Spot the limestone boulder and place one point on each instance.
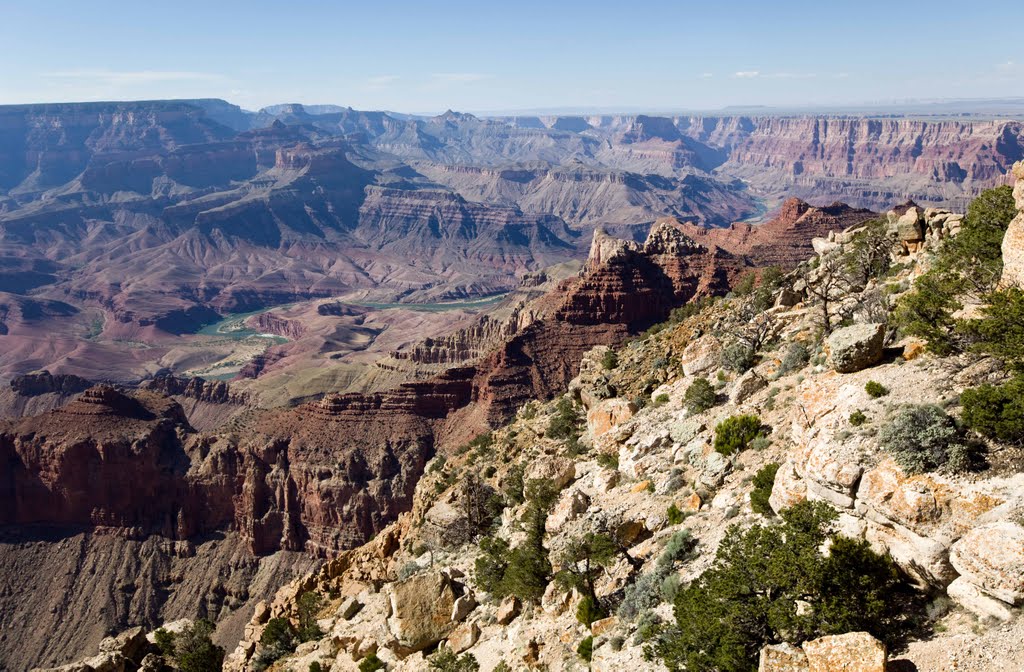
(464, 637)
(782, 658)
(569, 506)
(992, 558)
(973, 599)
(508, 610)
(556, 468)
(855, 347)
(747, 385)
(420, 610)
(852, 652)
(701, 356)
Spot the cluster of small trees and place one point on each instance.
(191, 649)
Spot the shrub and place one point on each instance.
(976, 254)
(445, 660)
(608, 460)
(164, 641)
(923, 438)
(610, 359)
(371, 663)
(309, 606)
(670, 587)
(736, 432)
(586, 648)
(675, 515)
(699, 396)
(764, 480)
(525, 570)
(750, 595)
(1000, 332)
(315, 667)
(565, 423)
(589, 610)
(738, 356)
(857, 418)
(927, 311)
(279, 635)
(502, 666)
(646, 592)
(660, 400)
(796, 357)
(875, 390)
(194, 650)
(581, 562)
(514, 487)
(996, 411)
(760, 443)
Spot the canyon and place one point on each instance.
(233, 341)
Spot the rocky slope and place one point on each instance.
(645, 451)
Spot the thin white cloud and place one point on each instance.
(132, 77)
(747, 74)
(706, 75)
(382, 80)
(458, 77)
(790, 75)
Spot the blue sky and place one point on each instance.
(425, 57)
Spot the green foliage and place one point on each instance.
(445, 660)
(608, 460)
(738, 356)
(515, 487)
(858, 418)
(589, 610)
(565, 423)
(529, 411)
(975, 254)
(674, 514)
(309, 605)
(315, 667)
(764, 480)
(923, 438)
(164, 640)
(750, 595)
(736, 432)
(1000, 331)
(689, 310)
(586, 648)
(610, 359)
(660, 400)
(279, 634)
(927, 311)
(875, 390)
(581, 563)
(371, 663)
(996, 411)
(699, 396)
(969, 263)
(745, 284)
(194, 650)
(525, 570)
(502, 666)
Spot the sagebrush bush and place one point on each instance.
(586, 648)
(446, 660)
(371, 663)
(858, 418)
(738, 356)
(923, 438)
(996, 411)
(796, 357)
(736, 432)
(764, 481)
(699, 396)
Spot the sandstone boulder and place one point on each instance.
(745, 386)
(420, 610)
(852, 652)
(508, 610)
(992, 558)
(855, 347)
(464, 637)
(608, 414)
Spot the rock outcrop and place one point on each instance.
(1013, 240)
